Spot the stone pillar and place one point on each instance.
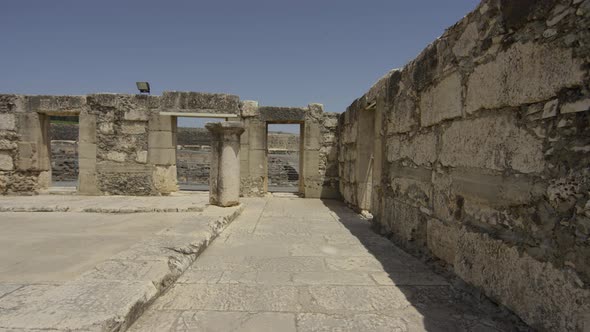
(224, 176)
(162, 152)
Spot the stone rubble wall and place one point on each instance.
(186, 136)
(64, 131)
(328, 155)
(125, 146)
(192, 156)
(24, 150)
(481, 156)
(64, 161)
(193, 166)
(283, 169)
(122, 144)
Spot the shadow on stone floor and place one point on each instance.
(450, 305)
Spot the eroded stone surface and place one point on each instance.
(193, 202)
(525, 73)
(359, 282)
(496, 143)
(110, 296)
(442, 101)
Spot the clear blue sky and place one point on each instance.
(287, 53)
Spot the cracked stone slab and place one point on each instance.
(196, 202)
(93, 305)
(192, 276)
(277, 278)
(113, 294)
(323, 250)
(216, 321)
(361, 322)
(256, 278)
(229, 297)
(351, 299)
(333, 278)
(22, 297)
(6, 288)
(264, 264)
(128, 270)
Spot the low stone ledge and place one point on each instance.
(117, 291)
(104, 204)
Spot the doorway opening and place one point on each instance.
(284, 157)
(193, 153)
(364, 161)
(63, 141)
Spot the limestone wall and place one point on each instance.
(128, 143)
(328, 155)
(481, 156)
(126, 146)
(121, 145)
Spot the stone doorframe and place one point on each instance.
(253, 150)
(300, 171)
(33, 155)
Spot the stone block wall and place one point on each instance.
(122, 143)
(128, 143)
(126, 146)
(283, 170)
(24, 140)
(15, 175)
(481, 156)
(328, 155)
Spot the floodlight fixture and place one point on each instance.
(143, 87)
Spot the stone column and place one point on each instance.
(224, 176)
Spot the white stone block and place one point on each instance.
(6, 162)
(116, 156)
(7, 121)
(492, 143)
(523, 74)
(578, 106)
(441, 102)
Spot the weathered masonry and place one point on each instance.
(478, 153)
(127, 143)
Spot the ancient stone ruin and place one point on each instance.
(475, 154)
(193, 157)
(128, 144)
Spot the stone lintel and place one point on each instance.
(205, 113)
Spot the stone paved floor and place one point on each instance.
(95, 272)
(290, 264)
(57, 247)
